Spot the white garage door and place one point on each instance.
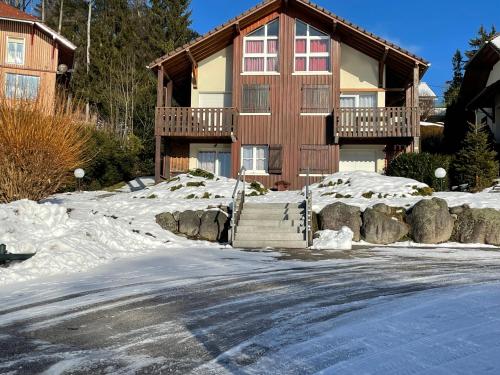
(358, 160)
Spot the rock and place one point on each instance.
(478, 225)
(338, 215)
(431, 222)
(189, 223)
(167, 221)
(383, 224)
(214, 226)
(459, 209)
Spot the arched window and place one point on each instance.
(312, 49)
(260, 49)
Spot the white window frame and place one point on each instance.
(265, 54)
(308, 54)
(17, 90)
(356, 97)
(254, 171)
(18, 41)
(218, 163)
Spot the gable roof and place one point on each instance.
(10, 13)
(478, 69)
(357, 35)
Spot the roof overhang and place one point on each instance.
(222, 36)
(486, 97)
(47, 30)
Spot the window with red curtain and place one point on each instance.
(312, 49)
(261, 49)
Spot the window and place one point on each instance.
(255, 99)
(316, 99)
(260, 49)
(15, 51)
(19, 86)
(358, 100)
(315, 158)
(255, 158)
(216, 162)
(312, 49)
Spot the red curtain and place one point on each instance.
(300, 64)
(272, 46)
(300, 46)
(318, 64)
(319, 45)
(255, 46)
(254, 64)
(272, 64)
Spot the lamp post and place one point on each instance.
(440, 174)
(79, 174)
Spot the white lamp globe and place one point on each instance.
(440, 173)
(79, 173)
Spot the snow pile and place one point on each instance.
(366, 185)
(334, 240)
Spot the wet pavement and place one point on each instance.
(223, 323)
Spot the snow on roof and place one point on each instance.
(425, 91)
(496, 41)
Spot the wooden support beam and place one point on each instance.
(334, 27)
(381, 68)
(158, 140)
(487, 114)
(169, 94)
(160, 85)
(237, 28)
(194, 67)
(336, 62)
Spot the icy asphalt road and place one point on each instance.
(211, 311)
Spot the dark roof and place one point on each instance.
(478, 69)
(8, 11)
(354, 28)
(486, 97)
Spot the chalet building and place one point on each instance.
(33, 57)
(285, 88)
(480, 90)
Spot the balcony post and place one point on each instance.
(158, 140)
(416, 111)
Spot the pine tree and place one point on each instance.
(475, 164)
(451, 93)
(482, 37)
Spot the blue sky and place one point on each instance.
(433, 29)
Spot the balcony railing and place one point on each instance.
(196, 122)
(376, 122)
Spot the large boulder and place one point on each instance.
(168, 222)
(338, 215)
(189, 223)
(214, 225)
(431, 221)
(383, 224)
(477, 225)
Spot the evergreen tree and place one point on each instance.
(482, 37)
(475, 164)
(451, 93)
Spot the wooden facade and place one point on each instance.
(297, 141)
(44, 51)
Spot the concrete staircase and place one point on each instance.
(278, 225)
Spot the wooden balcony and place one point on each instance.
(384, 122)
(196, 122)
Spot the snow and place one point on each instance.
(333, 240)
(496, 41)
(74, 232)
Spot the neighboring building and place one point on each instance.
(32, 56)
(430, 115)
(480, 89)
(284, 88)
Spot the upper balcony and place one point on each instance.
(196, 122)
(382, 122)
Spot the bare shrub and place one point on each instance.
(40, 145)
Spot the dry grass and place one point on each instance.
(40, 146)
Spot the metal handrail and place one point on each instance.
(308, 203)
(238, 201)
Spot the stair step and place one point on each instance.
(277, 217)
(277, 244)
(269, 223)
(269, 236)
(271, 205)
(271, 211)
(267, 229)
